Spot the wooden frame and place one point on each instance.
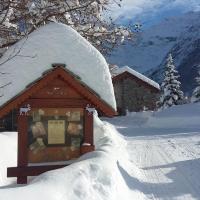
(29, 171)
(23, 170)
(119, 82)
(84, 98)
(76, 84)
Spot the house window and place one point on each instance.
(54, 134)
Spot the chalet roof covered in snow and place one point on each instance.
(136, 74)
(26, 61)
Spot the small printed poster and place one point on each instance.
(56, 131)
(74, 128)
(75, 143)
(37, 146)
(75, 116)
(36, 116)
(38, 130)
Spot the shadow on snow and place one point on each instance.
(183, 181)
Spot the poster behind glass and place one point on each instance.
(55, 134)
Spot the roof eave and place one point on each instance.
(40, 83)
(121, 76)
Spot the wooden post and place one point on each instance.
(22, 159)
(88, 143)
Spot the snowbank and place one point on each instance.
(166, 147)
(111, 172)
(182, 116)
(177, 119)
(98, 175)
(8, 155)
(24, 62)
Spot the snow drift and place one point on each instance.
(24, 62)
(162, 164)
(176, 119)
(97, 175)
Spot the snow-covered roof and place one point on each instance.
(24, 62)
(136, 74)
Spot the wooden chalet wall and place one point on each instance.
(134, 94)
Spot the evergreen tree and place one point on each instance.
(171, 93)
(196, 93)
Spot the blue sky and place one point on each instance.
(149, 12)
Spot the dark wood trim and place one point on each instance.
(88, 94)
(22, 141)
(87, 149)
(76, 84)
(21, 179)
(26, 94)
(54, 103)
(31, 170)
(22, 153)
(88, 128)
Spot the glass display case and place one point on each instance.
(54, 134)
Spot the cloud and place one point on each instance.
(135, 8)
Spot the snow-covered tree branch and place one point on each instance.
(16, 52)
(19, 18)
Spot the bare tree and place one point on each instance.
(16, 52)
(19, 18)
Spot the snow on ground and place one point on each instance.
(8, 155)
(156, 157)
(166, 147)
(95, 176)
(170, 165)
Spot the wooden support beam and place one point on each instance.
(22, 172)
(22, 146)
(88, 143)
(88, 128)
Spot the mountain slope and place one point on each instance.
(178, 35)
(186, 54)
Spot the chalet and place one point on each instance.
(50, 84)
(134, 91)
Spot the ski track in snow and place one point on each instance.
(165, 146)
(170, 165)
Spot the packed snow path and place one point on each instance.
(170, 165)
(168, 158)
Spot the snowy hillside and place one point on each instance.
(156, 156)
(179, 35)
